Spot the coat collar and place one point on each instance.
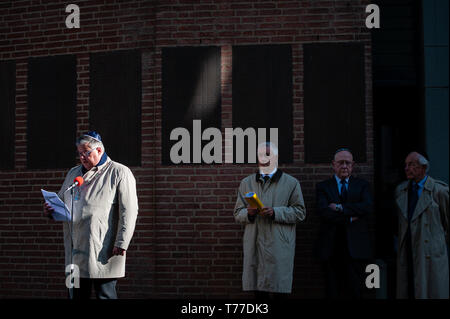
(96, 171)
(102, 161)
(424, 201)
(274, 178)
(402, 200)
(334, 187)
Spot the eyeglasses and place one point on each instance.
(411, 164)
(341, 163)
(86, 154)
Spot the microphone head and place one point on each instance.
(79, 180)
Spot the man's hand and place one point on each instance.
(266, 211)
(252, 211)
(118, 251)
(48, 210)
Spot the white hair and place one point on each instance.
(424, 162)
(91, 142)
(272, 146)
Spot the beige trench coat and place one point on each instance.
(429, 233)
(105, 212)
(269, 245)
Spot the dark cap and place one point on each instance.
(94, 135)
(342, 149)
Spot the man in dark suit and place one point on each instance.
(344, 246)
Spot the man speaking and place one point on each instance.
(105, 209)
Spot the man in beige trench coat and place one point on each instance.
(269, 236)
(422, 259)
(105, 211)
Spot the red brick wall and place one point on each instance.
(186, 242)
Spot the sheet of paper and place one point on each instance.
(61, 212)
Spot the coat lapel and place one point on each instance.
(425, 199)
(402, 201)
(334, 190)
(351, 186)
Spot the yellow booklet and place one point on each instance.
(253, 200)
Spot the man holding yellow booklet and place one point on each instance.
(269, 204)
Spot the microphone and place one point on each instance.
(78, 181)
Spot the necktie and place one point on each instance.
(413, 197)
(343, 191)
(266, 178)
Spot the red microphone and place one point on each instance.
(78, 181)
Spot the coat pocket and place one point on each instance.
(285, 234)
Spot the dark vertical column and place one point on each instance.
(334, 90)
(52, 92)
(7, 107)
(115, 103)
(262, 92)
(190, 91)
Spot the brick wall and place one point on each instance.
(186, 242)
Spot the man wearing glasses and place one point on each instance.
(344, 247)
(105, 209)
(423, 219)
(270, 232)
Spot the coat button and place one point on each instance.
(426, 241)
(427, 257)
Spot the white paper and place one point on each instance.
(61, 211)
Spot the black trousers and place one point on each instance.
(104, 288)
(345, 278)
(344, 275)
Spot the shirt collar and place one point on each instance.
(422, 182)
(270, 174)
(338, 180)
(276, 176)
